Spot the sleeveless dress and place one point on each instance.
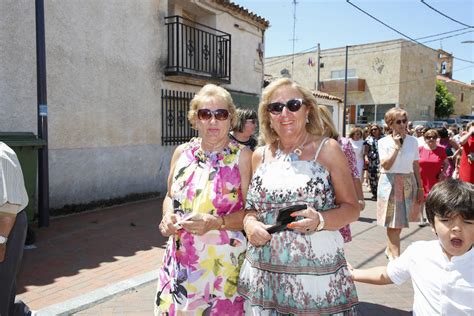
(199, 273)
(294, 273)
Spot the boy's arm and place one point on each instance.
(376, 275)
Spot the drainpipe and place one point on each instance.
(43, 172)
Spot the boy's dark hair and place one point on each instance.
(450, 197)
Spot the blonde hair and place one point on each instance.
(329, 127)
(315, 125)
(211, 91)
(391, 114)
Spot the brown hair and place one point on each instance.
(356, 130)
(242, 116)
(431, 132)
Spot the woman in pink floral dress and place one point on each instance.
(202, 214)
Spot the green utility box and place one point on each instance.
(26, 146)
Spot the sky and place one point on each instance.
(336, 23)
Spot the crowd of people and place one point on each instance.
(258, 228)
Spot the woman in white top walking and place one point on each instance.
(400, 190)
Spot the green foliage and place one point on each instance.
(444, 104)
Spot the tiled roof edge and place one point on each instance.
(244, 11)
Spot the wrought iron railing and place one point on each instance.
(175, 127)
(197, 50)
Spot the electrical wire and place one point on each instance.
(446, 16)
(395, 30)
(360, 48)
(413, 80)
(280, 59)
(365, 50)
(329, 55)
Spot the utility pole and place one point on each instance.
(294, 38)
(318, 84)
(345, 94)
(43, 171)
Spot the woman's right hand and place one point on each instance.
(257, 233)
(167, 225)
(398, 140)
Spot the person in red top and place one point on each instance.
(433, 162)
(466, 168)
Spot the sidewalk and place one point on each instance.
(85, 252)
(104, 263)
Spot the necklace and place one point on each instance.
(294, 153)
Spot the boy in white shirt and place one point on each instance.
(442, 270)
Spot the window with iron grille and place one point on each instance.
(175, 127)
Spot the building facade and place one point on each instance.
(120, 75)
(380, 76)
(462, 92)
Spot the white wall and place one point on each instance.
(105, 62)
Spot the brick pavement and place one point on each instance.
(366, 250)
(85, 252)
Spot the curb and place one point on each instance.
(97, 296)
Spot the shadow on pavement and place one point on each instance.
(367, 220)
(86, 240)
(369, 309)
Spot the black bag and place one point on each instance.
(284, 218)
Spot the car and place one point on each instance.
(439, 124)
(464, 119)
(423, 123)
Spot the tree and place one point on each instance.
(444, 103)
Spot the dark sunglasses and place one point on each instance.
(219, 114)
(277, 107)
(431, 137)
(374, 129)
(398, 122)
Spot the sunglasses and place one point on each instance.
(277, 107)
(430, 137)
(374, 129)
(398, 122)
(253, 121)
(219, 114)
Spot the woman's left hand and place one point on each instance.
(201, 224)
(307, 225)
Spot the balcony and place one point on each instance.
(197, 51)
(336, 86)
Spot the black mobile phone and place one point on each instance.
(284, 217)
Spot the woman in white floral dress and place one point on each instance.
(301, 270)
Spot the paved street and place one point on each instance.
(104, 263)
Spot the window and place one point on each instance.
(443, 67)
(462, 96)
(340, 74)
(175, 127)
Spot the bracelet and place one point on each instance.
(223, 223)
